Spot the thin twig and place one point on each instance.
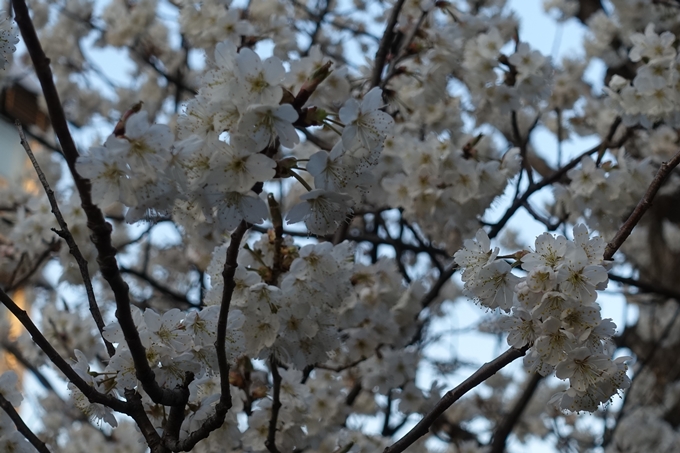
(13, 349)
(556, 176)
(388, 412)
(21, 426)
(504, 428)
(14, 284)
(270, 443)
(66, 235)
(439, 284)
(646, 287)
(486, 371)
(179, 297)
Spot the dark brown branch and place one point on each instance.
(353, 393)
(270, 443)
(385, 43)
(179, 297)
(42, 379)
(373, 239)
(277, 222)
(14, 284)
(439, 284)
(504, 428)
(319, 18)
(646, 287)
(224, 404)
(388, 412)
(486, 371)
(556, 176)
(177, 413)
(66, 235)
(138, 413)
(101, 230)
(642, 207)
(522, 143)
(39, 339)
(21, 426)
(16, 352)
(550, 226)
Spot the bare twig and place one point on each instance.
(504, 428)
(179, 297)
(14, 284)
(13, 349)
(270, 443)
(522, 143)
(21, 426)
(556, 176)
(646, 287)
(388, 412)
(486, 371)
(642, 207)
(66, 235)
(439, 284)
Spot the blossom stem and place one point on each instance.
(301, 180)
(339, 123)
(331, 127)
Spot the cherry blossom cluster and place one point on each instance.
(652, 95)
(213, 178)
(609, 191)
(445, 187)
(554, 311)
(324, 308)
(527, 74)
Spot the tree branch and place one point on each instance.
(21, 426)
(646, 287)
(385, 43)
(39, 339)
(159, 287)
(486, 371)
(504, 428)
(642, 207)
(224, 404)
(270, 443)
(556, 176)
(101, 230)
